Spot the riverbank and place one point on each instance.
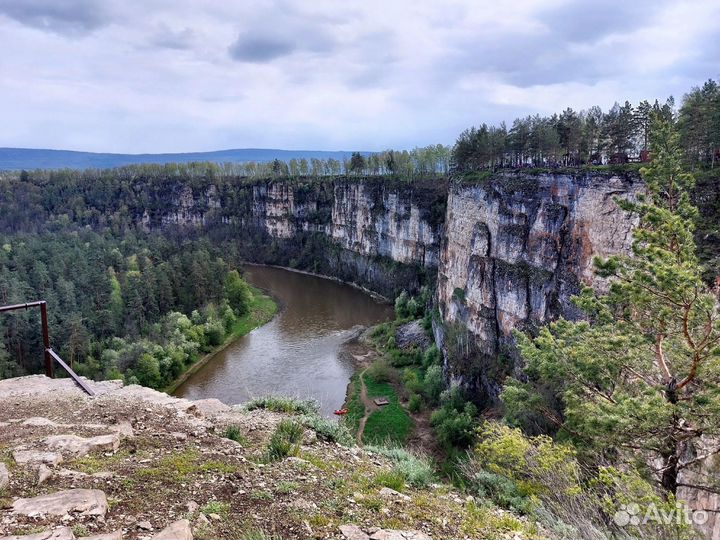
(262, 309)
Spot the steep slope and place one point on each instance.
(517, 248)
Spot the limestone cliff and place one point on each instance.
(517, 248)
(378, 233)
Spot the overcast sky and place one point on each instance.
(182, 75)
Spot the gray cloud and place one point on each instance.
(583, 22)
(66, 17)
(167, 38)
(258, 49)
(371, 74)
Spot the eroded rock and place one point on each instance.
(353, 532)
(88, 502)
(25, 457)
(80, 446)
(4, 476)
(62, 533)
(180, 530)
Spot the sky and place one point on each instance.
(180, 75)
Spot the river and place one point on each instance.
(297, 353)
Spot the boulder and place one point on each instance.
(412, 334)
(4, 476)
(180, 530)
(353, 532)
(80, 446)
(88, 502)
(62, 533)
(24, 457)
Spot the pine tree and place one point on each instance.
(642, 376)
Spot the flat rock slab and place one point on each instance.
(391, 534)
(45, 386)
(24, 457)
(115, 535)
(39, 421)
(381, 401)
(63, 533)
(180, 530)
(4, 476)
(80, 446)
(353, 532)
(88, 502)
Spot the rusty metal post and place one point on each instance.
(49, 371)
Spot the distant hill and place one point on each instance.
(33, 158)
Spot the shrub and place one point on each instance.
(416, 469)
(454, 422)
(431, 356)
(235, 434)
(415, 403)
(283, 405)
(433, 383)
(392, 479)
(285, 440)
(329, 430)
(411, 380)
(380, 371)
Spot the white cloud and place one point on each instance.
(151, 76)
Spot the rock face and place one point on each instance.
(517, 248)
(88, 502)
(378, 233)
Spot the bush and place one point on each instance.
(411, 380)
(416, 469)
(285, 440)
(235, 434)
(329, 430)
(283, 404)
(392, 479)
(415, 403)
(454, 422)
(433, 383)
(431, 356)
(381, 371)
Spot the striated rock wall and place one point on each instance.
(378, 233)
(517, 248)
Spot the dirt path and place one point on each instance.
(369, 404)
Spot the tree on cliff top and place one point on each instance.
(642, 376)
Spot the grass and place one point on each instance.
(391, 423)
(235, 434)
(390, 479)
(355, 407)
(262, 310)
(328, 429)
(283, 404)
(415, 469)
(177, 467)
(285, 441)
(216, 507)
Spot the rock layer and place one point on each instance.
(517, 248)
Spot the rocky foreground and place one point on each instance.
(135, 463)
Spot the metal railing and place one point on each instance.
(50, 355)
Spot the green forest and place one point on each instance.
(140, 306)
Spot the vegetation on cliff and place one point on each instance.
(626, 390)
(593, 137)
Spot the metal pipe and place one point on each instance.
(26, 305)
(49, 369)
(74, 376)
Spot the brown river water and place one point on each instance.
(297, 353)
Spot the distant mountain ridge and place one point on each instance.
(36, 158)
